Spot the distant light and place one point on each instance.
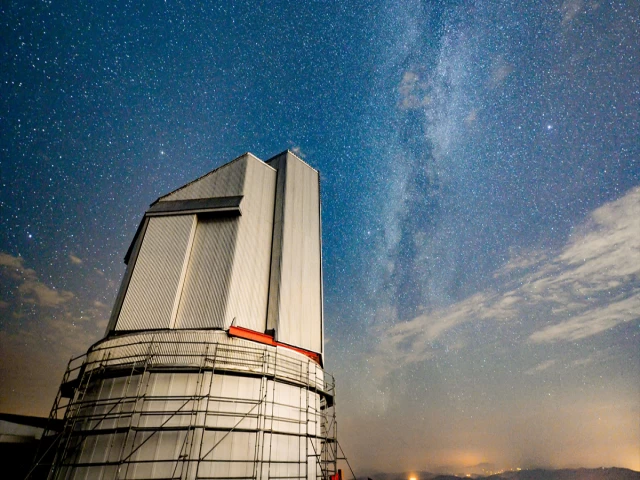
(161, 152)
(29, 235)
(413, 478)
(549, 127)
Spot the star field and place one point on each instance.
(480, 178)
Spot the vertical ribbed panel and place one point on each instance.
(149, 300)
(249, 287)
(273, 308)
(228, 273)
(183, 273)
(261, 269)
(206, 287)
(299, 295)
(226, 181)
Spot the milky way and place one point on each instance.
(480, 169)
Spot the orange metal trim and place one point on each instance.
(251, 335)
(265, 339)
(312, 355)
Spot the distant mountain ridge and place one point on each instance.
(570, 474)
(612, 473)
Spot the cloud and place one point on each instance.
(30, 289)
(581, 362)
(590, 323)
(540, 367)
(75, 260)
(39, 294)
(521, 261)
(10, 261)
(586, 288)
(54, 325)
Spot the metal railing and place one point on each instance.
(137, 414)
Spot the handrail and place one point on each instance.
(227, 355)
(112, 357)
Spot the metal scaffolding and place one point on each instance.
(147, 406)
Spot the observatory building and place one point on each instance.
(211, 365)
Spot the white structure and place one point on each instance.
(211, 367)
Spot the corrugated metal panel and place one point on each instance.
(273, 308)
(228, 275)
(206, 287)
(150, 297)
(226, 181)
(249, 283)
(130, 259)
(299, 300)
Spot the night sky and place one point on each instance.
(480, 175)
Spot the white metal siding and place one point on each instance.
(299, 301)
(249, 284)
(224, 424)
(228, 273)
(206, 287)
(273, 308)
(149, 300)
(251, 410)
(168, 402)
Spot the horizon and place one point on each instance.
(444, 471)
(411, 475)
(482, 470)
(480, 186)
